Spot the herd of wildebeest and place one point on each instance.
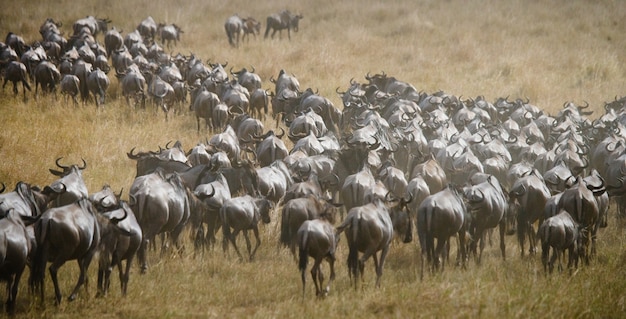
(392, 158)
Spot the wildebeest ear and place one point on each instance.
(55, 172)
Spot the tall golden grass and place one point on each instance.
(548, 51)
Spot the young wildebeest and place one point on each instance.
(244, 213)
(559, 232)
(316, 238)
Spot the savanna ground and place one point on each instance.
(548, 51)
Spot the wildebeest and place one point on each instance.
(66, 233)
(244, 213)
(47, 76)
(25, 200)
(70, 86)
(441, 216)
(117, 247)
(369, 229)
(98, 84)
(316, 238)
(250, 26)
(147, 29)
(15, 72)
(281, 21)
(134, 85)
(531, 193)
(113, 41)
(487, 207)
(169, 33)
(559, 232)
(298, 210)
(93, 24)
(70, 186)
(234, 29)
(161, 205)
(15, 251)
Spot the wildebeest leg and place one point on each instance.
(103, 265)
(12, 294)
(125, 276)
(83, 264)
(233, 239)
(380, 264)
(258, 241)
(141, 253)
(502, 229)
(331, 264)
(317, 276)
(439, 252)
(54, 268)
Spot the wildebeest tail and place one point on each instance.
(353, 254)
(40, 256)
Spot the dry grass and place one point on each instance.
(548, 51)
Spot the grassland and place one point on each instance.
(548, 51)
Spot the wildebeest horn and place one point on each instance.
(375, 145)
(59, 165)
(281, 134)
(132, 200)
(116, 220)
(84, 165)
(479, 199)
(120, 193)
(3, 187)
(131, 155)
(388, 197)
(405, 202)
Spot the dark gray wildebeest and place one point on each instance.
(281, 21)
(368, 229)
(24, 200)
(162, 205)
(162, 93)
(297, 211)
(70, 232)
(47, 76)
(98, 84)
(133, 85)
(202, 104)
(169, 33)
(115, 247)
(93, 24)
(15, 251)
(441, 216)
(15, 72)
(579, 201)
(147, 29)
(559, 232)
(487, 207)
(247, 79)
(316, 238)
(70, 86)
(531, 192)
(70, 186)
(113, 41)
(214, 194)
(243, 214)
(274, 180)
(234, 29)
